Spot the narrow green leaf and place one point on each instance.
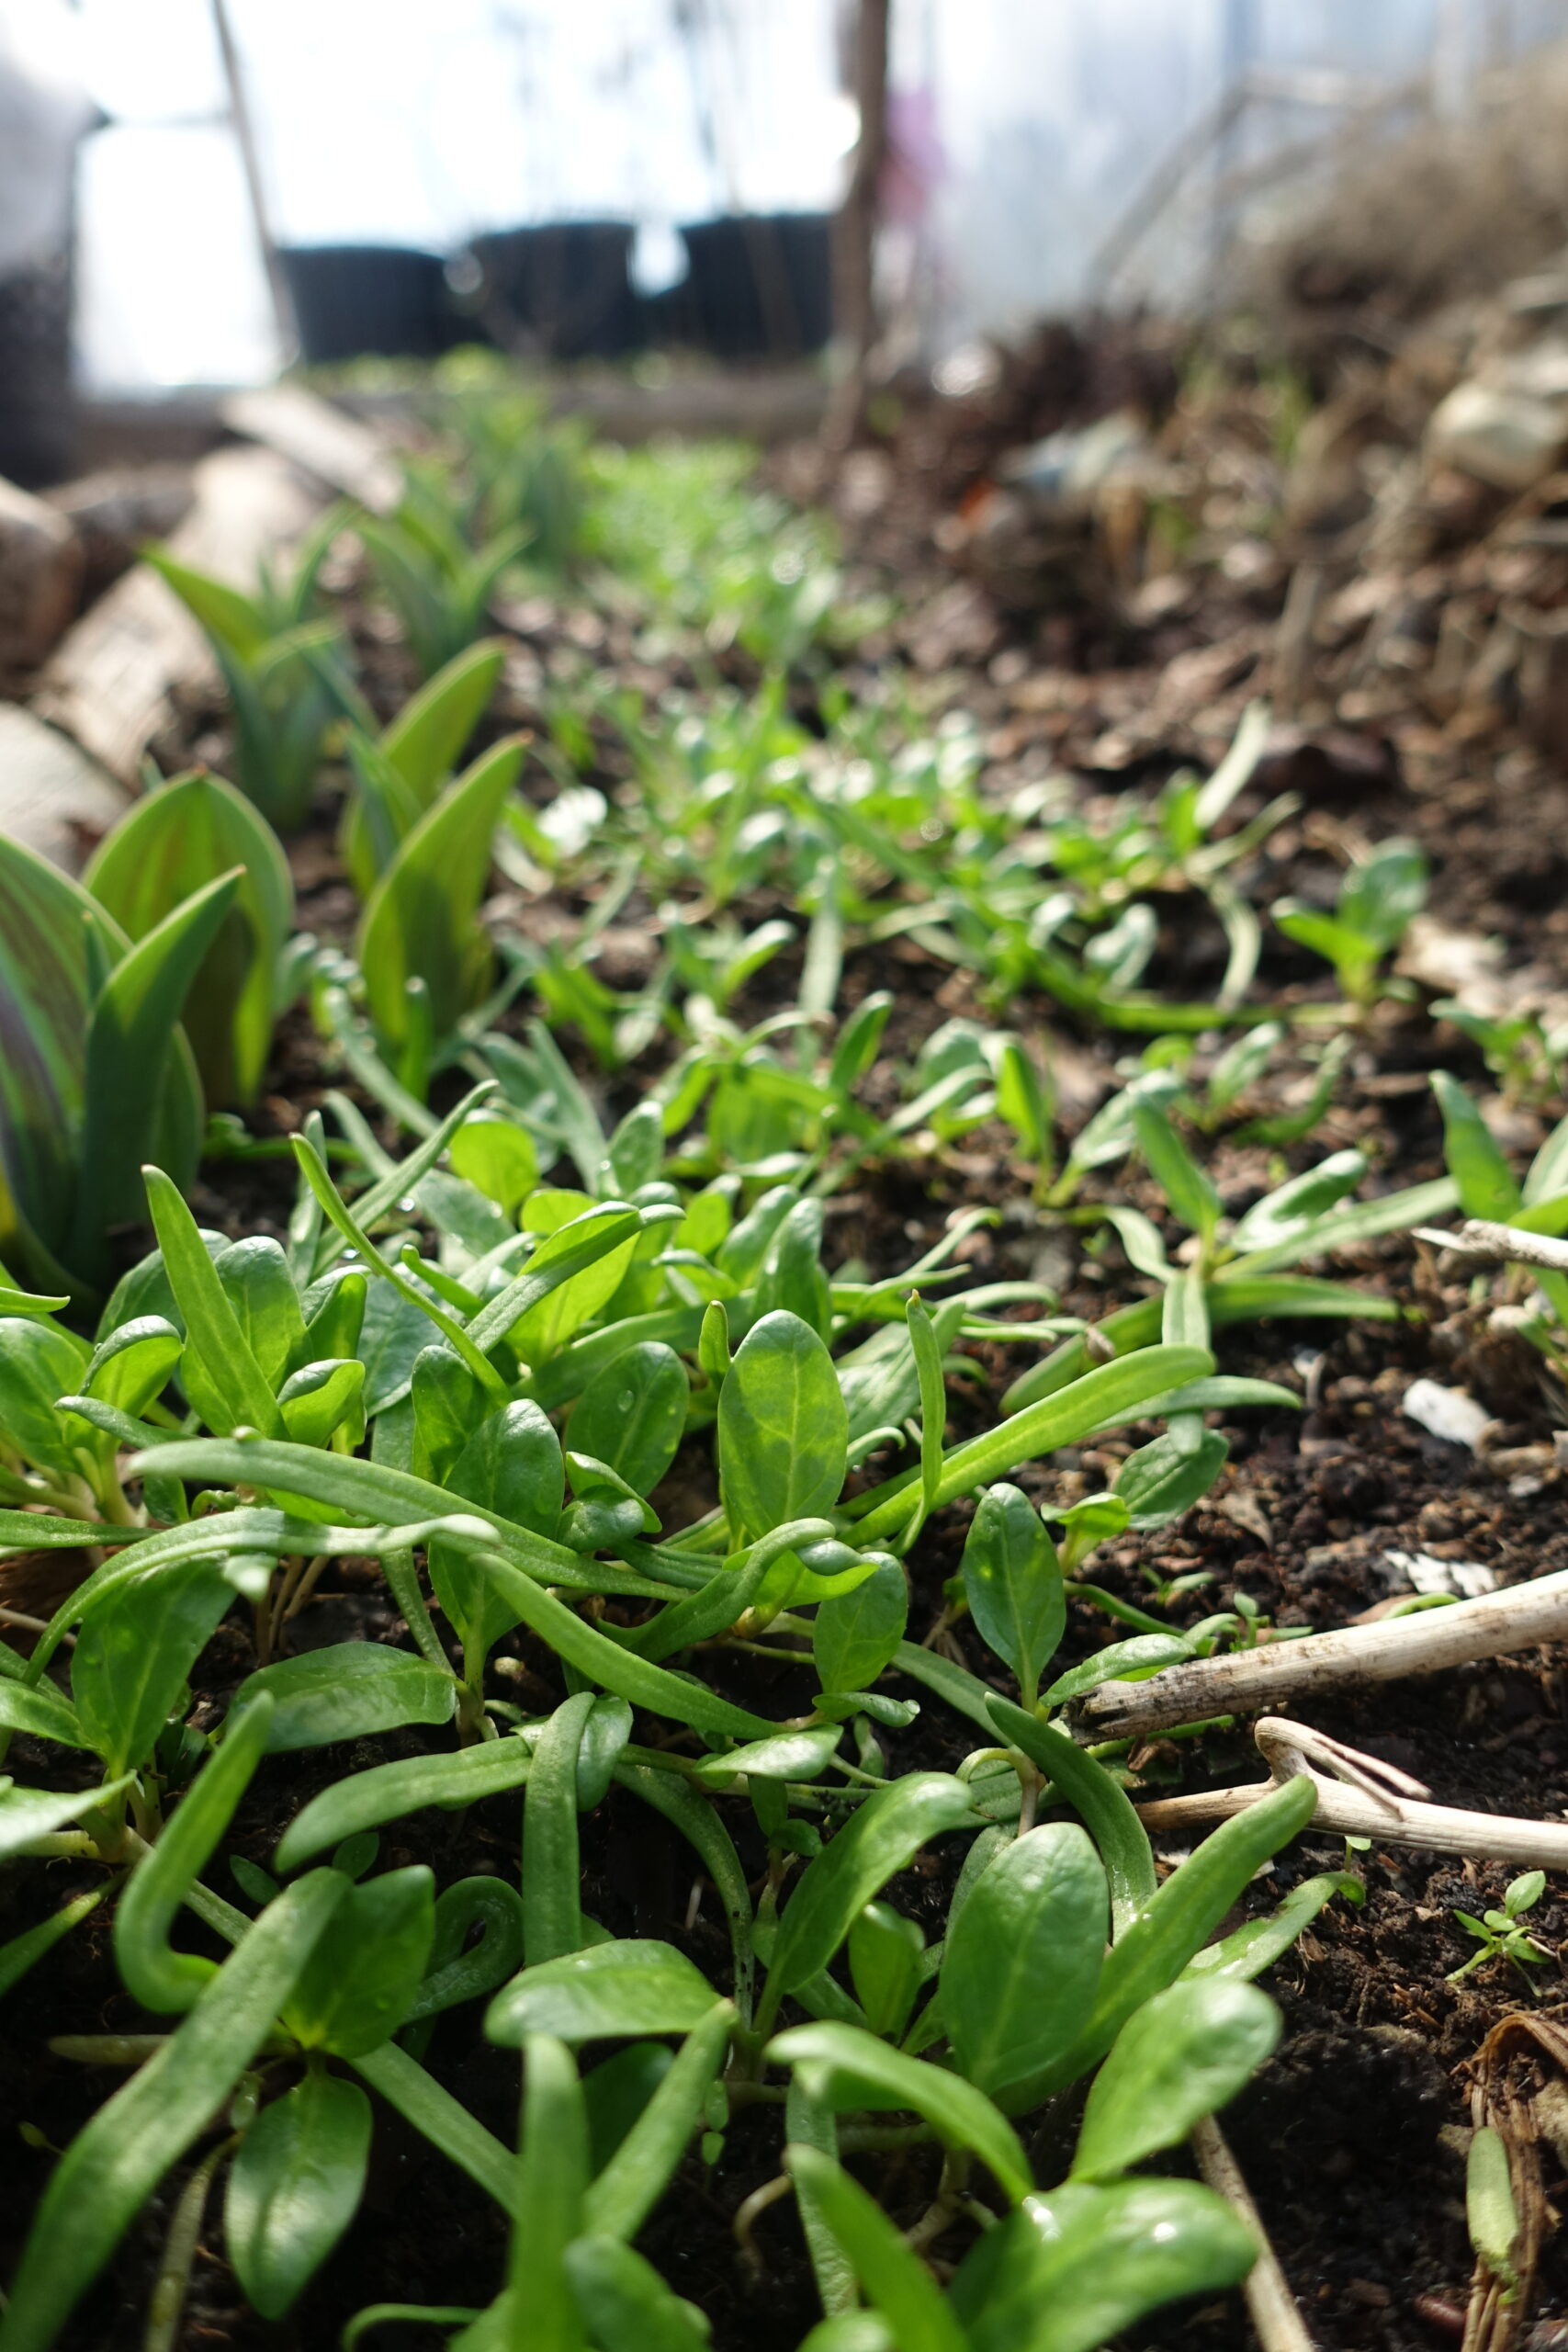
(883, 1838)
(865, 2073)
(389, 1792)
(348, 1690)
(119, 2158)
(890, 2272)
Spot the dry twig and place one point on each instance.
(1519, 1619)
(1269, 2302)
(1364, 1797)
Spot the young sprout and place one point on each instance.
(1499, 1934)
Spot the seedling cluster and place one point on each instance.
(503, 1338)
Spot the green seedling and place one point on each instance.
(1378, 900)
(177, 840)
(1500, 1934)
(99, 1074)
(284, 668)
(439, 585)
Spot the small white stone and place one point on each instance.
(1466, 1580)
(1448, 1413)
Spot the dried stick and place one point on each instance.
(1269, 2302)
(1478, 1238)
(1519, 1619)
(1366, 1798)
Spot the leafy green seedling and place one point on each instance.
(1500, 1934)
(284, 668)
(1379, 898)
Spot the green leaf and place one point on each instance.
(576, 1267)
(861, 2072)
(886, 1956)
(788, 1756)
(637, 2175)
(1013, 1582)
(18, 1953)
(1167, 1476)
(1111, 1392)
(1076, 2268)
(1022, 1960)
(294, 2188)
(386, 1792)
(606, 1662)
(632, 1413)
(1184, 2053)
(552, 1913)
(45, 994)
(154, 1973)
(883, 1838)
(132, 1031)
(615, 1988)
(496, 1155)
(349, 1691)
(1486, 1184)
(420, 921)
(1188, 1188)
(1130, 1660)
(1257, 1944)
(119, 2158)
(617, 2091)
(38, 1363)
(45, 1713)
(782, 1426)
(1178, 1920)
(856, 1633)
(168, 845)
(510, 1465)
(1104, 1805)
(254, 1277)
(892, 2275)
(361, 1978)
(1491, 2213)
(29, 1813)
(1383, 893)
(552, 2178)
(132, 1366)
(135, 1653)
(233, 619)
(625, 2302)
(216, 1347)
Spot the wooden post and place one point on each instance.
(854, 228)
(244, 139)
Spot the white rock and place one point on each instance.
(1450, 1413)
(1465, 1579)
(1510, 439)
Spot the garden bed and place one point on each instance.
(1353, 2138)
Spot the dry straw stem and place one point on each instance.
(1363, 1797)
(1269, 2302)
(1478, 1238)
(1276, 1672)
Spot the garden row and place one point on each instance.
(756, 1576)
